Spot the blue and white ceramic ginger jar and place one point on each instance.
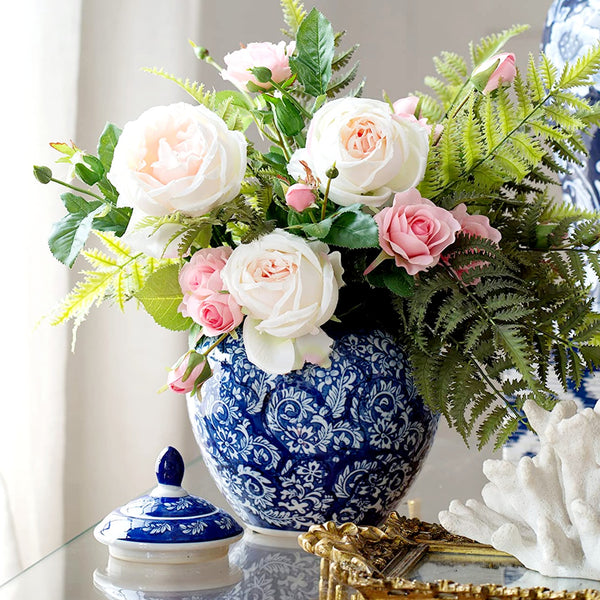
(341, 443)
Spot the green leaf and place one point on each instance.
(106, 144)
(86, 175)
(314, 53)
(318, 230)
(353, 229)
(398, 281)
(161, 297)
(69, 235)
(108, 189)
(287, 117)
(116, 220)
(74, 203)
(94, 164)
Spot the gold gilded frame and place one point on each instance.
(370, 563)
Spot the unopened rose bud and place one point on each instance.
(177, 380)
(332, 173)
(42, 174)
(300, 196)
(494, 71)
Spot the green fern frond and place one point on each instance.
(451, 67)
(337, 84)
(492, 44)
(114, 279)
(193, 88)
(441, 89)
(548, 72)
(342, 59)
(582, 71)
(537, 91)
(293, 15)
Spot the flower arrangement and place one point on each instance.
(429, 217)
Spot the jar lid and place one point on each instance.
(167, 520)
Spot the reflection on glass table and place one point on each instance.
(263, 567)
(506, 572)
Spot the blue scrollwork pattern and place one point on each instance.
(338, 443)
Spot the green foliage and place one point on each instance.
(492, 44)
(116, 275)
(293, 15)
(505, 135)
(314, 53)
(161, 297)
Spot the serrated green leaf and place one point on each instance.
(107, 143)
(76, 204)
(161, 297)
(353, 229)
(311, 62)
(69, 235)
(399, 282)
(287, 117)
(86, 175)
(116, 220)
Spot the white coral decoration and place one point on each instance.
(544, 510)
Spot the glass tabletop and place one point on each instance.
(263, 567)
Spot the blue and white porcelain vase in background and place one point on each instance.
(341, 443)
(572, 29)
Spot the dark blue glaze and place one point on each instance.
(341, 443)
(170, 467)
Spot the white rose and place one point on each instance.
(178, 158)
(288, 288)
(376, 152)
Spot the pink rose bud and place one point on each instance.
(300, 196)
(406, 108)
(176, 381)
(477, 225)
(274, 57)
(415, 232)
(494, 71)
(217, 314)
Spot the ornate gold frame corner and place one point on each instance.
(371, 563)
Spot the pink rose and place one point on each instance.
(300, 196)
(201, 276)
(218, 313)
(477, 225)
(414, 231)
(258, 54)
(504, 72)
(176, 381)
(406, 108)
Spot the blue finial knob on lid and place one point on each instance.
(170, 467)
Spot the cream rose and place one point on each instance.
(178, 158)
(375, 152)
(288, 288)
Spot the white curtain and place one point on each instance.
(78, 432)
(40, 45)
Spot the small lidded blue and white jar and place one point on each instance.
(169, 533)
